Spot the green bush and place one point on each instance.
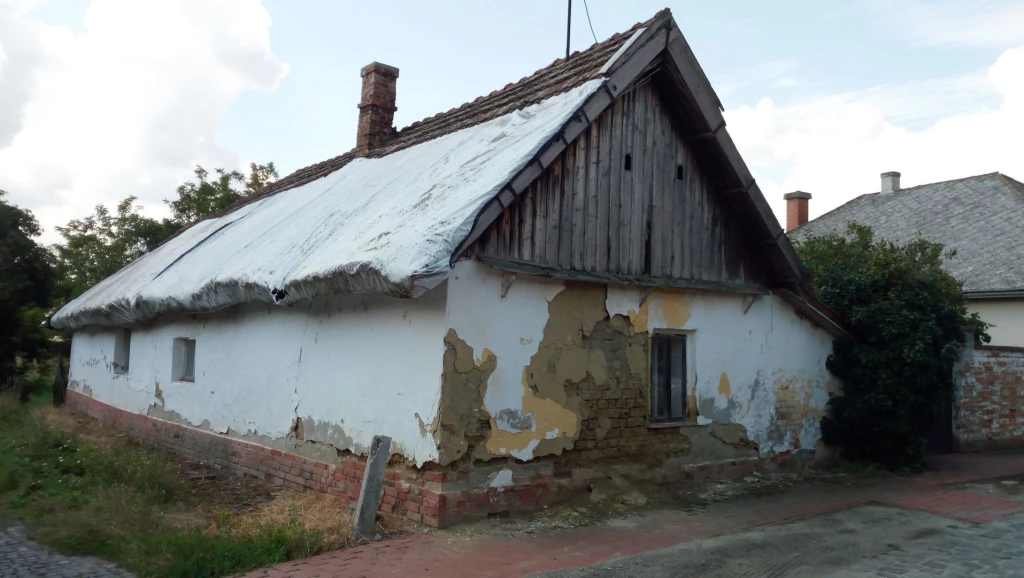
(907, 316)
(112, 502)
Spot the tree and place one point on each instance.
(99, 245)
(204, 198)
(25, 289)
(907, 316)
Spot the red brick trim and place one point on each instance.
(435, 497)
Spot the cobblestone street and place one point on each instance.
(988, 550)
(23, 558)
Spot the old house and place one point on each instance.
(981, 218)
(573, 275)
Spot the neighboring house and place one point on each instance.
(572, 274)
(982, 218)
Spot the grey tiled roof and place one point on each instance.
(981, 217)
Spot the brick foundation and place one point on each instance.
(434, 497)
(990, 412)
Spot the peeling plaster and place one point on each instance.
(346, 368)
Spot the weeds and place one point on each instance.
(110, 501)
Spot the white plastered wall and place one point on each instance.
(748, 360)
(1006, 317)
(349, 367)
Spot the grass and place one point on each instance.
(111, 498)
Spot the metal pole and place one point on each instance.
(568, 30)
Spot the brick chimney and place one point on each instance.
(796, 209)
(890, 182)
(376, 106)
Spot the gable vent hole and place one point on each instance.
(679, 172)
(629, 162)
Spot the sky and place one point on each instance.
(102, 99)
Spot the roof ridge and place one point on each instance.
(558, 77)
(551, 67)
(899, 192)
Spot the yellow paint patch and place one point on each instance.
(485, 356)
(673, 307)
(724, 388)
(551, 420)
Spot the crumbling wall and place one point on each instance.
(314, 379)
(990, 392)
(570, 380)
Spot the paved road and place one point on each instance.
(23, 558)
(989, 550)
(864, 541)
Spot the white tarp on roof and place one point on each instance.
(386, 225)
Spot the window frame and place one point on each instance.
(678, 345)
(180, 360)
(122, 351)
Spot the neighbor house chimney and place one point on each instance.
(796, 209)
(890, 182)
(376, 106)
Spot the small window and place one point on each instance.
(184, 368)
(668, 377)
(629, 162)
(679, 172)
(122, 350)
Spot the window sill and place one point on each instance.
(668, 424)
(184, 380)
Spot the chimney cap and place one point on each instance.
(796, 195)
(891, 174)
(379, 67)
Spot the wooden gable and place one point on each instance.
(626, 201)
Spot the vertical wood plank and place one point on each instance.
(657, 203)
(626, 187)
(504, 232)
(565, 230)
(697, 231)
(590, 208)
(614, 160)
(603, 189)
(637, 225)
(554, 213)
(667, 153)
(678, 208)
(651, 129)
(540, 211)
(687, 216)
(526, 223)
(579, 201)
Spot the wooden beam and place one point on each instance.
(528, 268)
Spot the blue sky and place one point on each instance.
(820, 96)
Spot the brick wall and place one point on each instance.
(437, 497)
(990, 412)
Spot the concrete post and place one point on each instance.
(373, 482)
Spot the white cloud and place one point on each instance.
(128, 106)
(836, 146)
(967, 23)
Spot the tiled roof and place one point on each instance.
(556, 78)
(982, 217)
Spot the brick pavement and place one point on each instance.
(434, 555)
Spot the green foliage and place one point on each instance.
(112, 502)
(907, 316)
(205, 197)
(101, 244)
(26, 280)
